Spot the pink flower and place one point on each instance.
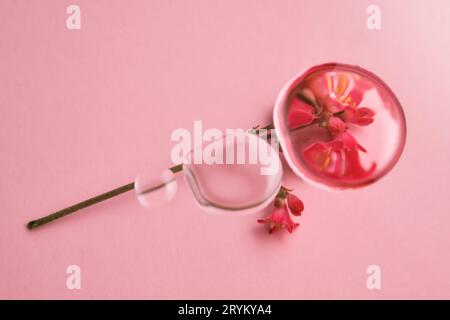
(295, 205)
(338, 158)
(335, 92)
(279, 219)
(324, 157)
(300, 114)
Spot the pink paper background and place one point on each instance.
(83, 111)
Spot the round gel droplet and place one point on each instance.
(154, 191)
(237, 184)
(339, 126)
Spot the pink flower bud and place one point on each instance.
(295, 205)
(336, 125)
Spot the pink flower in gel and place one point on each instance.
(338, 158)
(324, 157)
(334, 93)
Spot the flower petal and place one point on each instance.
(317, 156)
(363, 116)
(353, 166)
(332, 105)
(300, 114)
(354, 98)
(342, 83)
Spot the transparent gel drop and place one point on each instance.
(155, 190)
(241, 184)
(360, 156)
